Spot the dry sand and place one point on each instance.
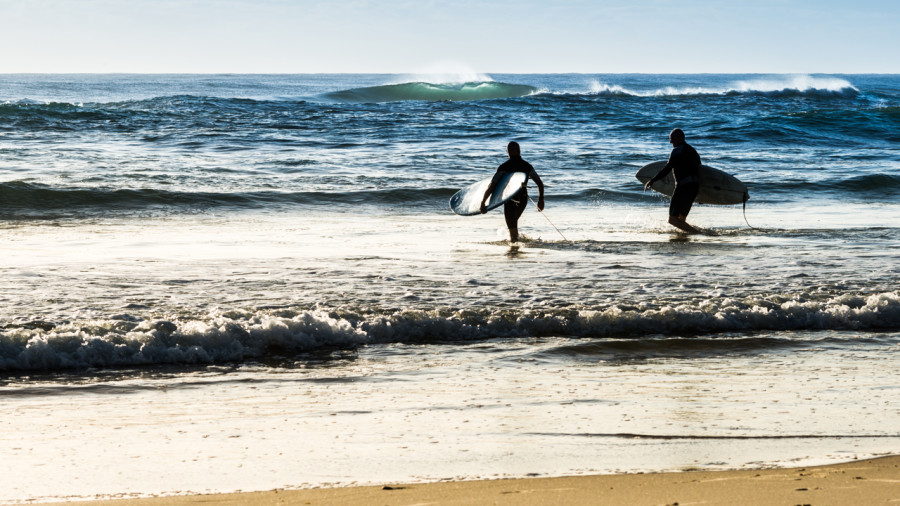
(865, 482)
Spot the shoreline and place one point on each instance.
(870, 481)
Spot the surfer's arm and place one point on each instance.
(488, 192)
(659, 175)
(676, 157)
(540, 184)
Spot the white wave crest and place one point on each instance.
(780, 84)
(799, 83)
(126, 341)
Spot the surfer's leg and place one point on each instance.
(678, 222)
(512, 210)
(682, 201)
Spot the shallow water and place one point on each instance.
(209, 276)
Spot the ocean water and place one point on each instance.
(241, 282)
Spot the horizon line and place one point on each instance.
(440, 73)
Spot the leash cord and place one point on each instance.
(548, 219)
(745, 214)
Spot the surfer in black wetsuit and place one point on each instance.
(513, 208)
(684, 162)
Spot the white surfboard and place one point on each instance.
(716, 187)
(467, 202)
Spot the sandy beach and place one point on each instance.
(874, 481)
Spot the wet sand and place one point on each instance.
(874, 481)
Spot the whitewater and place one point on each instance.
(246, 282)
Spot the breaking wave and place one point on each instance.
(432, 92)
(128, 340)
(776, 87)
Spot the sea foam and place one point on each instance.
(243, 336)
(781, 85)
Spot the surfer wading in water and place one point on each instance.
(684, 162)
(514, 207)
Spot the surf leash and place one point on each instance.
(548, 219)
(746, 198)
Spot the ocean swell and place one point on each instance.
(38, 201)
(432, 92)
(881, 187)
(127, 340)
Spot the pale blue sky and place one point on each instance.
(400, 36)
